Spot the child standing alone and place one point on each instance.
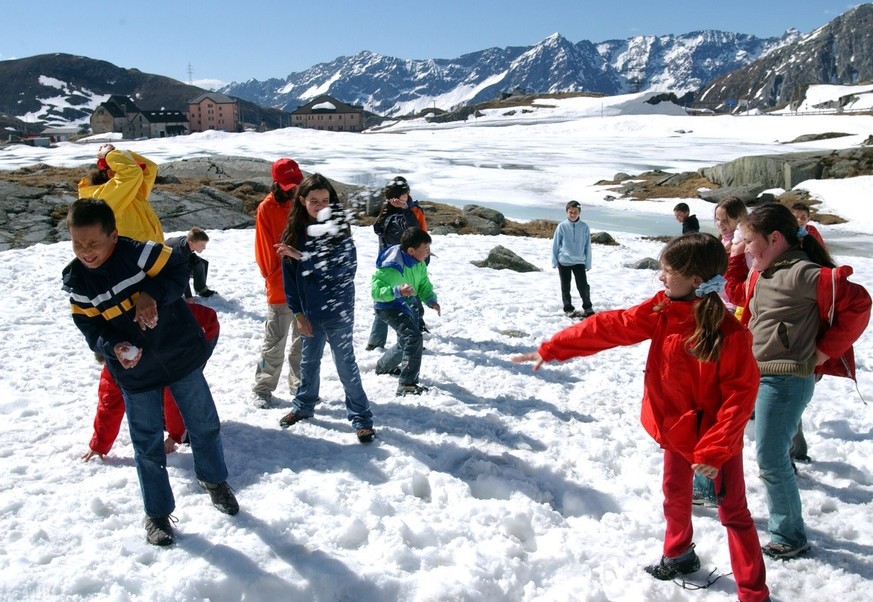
(571, 254)
(699, 389)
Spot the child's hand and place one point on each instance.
(105, 150)
(286, 251)
(738, 248)
(436, 307)
(90, 454)
(705, 470)
(126, 356)
(304, 326)
(533, 356)
(169, 445)
(146, 311)
(406, 290)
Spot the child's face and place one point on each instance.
(725, 224)
(573, 213)
(421, 252)
(762, 249)
(198, 246)
(401, 201)
(680, 215)
(92, 245)
(802, 217)
(315, 201)
(676, 285)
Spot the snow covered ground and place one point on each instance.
(497, 484)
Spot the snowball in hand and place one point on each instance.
(324, 214)
(129, 353)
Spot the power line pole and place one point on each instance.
(190, 75)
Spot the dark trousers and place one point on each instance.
(199, 269)
(578, 272)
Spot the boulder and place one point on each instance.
(603, 238)
(219, 168)
(501, 258)
(491, 215)
(479, 225)
(646, 263)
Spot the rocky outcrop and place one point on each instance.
(788, 170)
(501, 258)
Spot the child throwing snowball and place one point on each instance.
(318, 268)
(699, 389)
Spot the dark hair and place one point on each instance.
(282, 196)
(798, 206)
(294, 234)
(98, 176)
(701, 255)
(572, 204)
(395, 188)
(683, 207)
(196, 234)
(414, 237)
(776, 217)
(91, 212)
(733, 206)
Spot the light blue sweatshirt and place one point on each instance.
(572, 244)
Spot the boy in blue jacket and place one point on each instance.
(400, 276)
(126, 298)
(571, 254)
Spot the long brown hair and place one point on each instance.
(294, 234)
(776, 217)
(701, 255)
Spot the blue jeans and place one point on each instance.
(146, 422)
(406, 353)
(338, 333)
(778, 409)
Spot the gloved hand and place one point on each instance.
(105, 150)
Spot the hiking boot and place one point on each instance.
(588, 313)
(784, 551)
(668, 568)
(289, 419)
(159, 530)
(262, 401)
(365, 434)
(222, 496)
(392, 372)
(410, 390)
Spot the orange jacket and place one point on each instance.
(269, 225)
(697, 409)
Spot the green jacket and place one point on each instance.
(394, 268)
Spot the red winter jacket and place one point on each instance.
(844, 311)
(697, 409)
(110, 402)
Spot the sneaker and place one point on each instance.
(392, 372)
(699, 498)
(588, 313)
(366, 434)
(669, 568)
(262, 401)
(370, 347)
(205, 293)
(222, 496)
(572, 314)
(289, 419)
(410, 390)
(159, 530)
(784, 551)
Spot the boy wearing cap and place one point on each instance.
(269, 224)
(571, 254)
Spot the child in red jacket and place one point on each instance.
(110, 403)
(699, 389)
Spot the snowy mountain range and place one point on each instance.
(391, 86)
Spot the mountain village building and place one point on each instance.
(213, 111)
(328, 113)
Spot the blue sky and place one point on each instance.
(274, 38)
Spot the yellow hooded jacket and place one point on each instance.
(127, 193)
